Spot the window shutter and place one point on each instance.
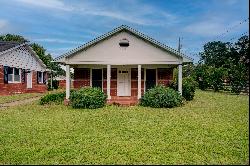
(44, 77)
(37, 79)
(23, 75)
(5, 74)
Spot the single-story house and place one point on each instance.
(21, 70)
(124, 63)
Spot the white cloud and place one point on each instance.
(3, 26)
(54, 40)
(53, 4)
(135, 13)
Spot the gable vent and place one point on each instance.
(124, 42)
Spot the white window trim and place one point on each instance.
(41, 79)
(13, 76)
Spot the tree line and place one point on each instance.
(222, 63)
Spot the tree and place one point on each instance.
(216, 54)
(15, 38)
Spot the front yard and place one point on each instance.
(211, 129)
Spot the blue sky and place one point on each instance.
(63, 25)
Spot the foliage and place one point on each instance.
(188, 87)
(13, 38)
(57, 98)
(216, 54)
(202, 76)
(161, 97)
(238, 79)
(88, 97)
(217, 77)
(55, 84)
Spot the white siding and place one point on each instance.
(21, 58)
(109, 52)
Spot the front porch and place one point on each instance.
(123, 84)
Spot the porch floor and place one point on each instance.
(123, 100)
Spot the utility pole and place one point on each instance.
(179, 45)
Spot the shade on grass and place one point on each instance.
(211, 129)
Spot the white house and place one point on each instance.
(124, 63)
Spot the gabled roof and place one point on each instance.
(130, 30)
(6, 46)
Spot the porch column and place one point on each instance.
(108, 80)
(139, 82)
(180, 78)
(67, 81)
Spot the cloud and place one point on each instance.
(135, 13)
(55, 40)
(3, 26)
(53, 4)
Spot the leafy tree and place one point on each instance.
(217, 77)
(10, 37)
(216, 54)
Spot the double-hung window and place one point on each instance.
(14, 75)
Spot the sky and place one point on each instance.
(61, 25)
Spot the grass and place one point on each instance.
(15, 97)
(211, 129)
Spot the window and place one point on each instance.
(40, 77)
(14, 75)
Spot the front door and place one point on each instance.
(29, 80)
(150, 78)
(123, 82)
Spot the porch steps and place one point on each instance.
(123, 100)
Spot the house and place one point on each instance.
(21, 70)
(124, 63)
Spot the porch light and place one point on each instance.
(124, 42)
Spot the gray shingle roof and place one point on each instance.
(119, 29)
(5, 45)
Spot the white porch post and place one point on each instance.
(180, 78)
(139, 81)
(67, 81)
(108, 80)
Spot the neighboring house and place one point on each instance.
(21, 70)
(124, 63)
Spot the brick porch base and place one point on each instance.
(123, 100)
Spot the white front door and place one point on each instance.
(29, 80)
(123, 82)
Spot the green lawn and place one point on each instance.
(211, 129)
(15, 97)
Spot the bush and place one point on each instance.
(188, 87)
(53, 98)
(88, 97)
(161, 97)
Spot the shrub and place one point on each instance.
(188, 87)
(53, 98)
(88, 97)
(161, 97)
